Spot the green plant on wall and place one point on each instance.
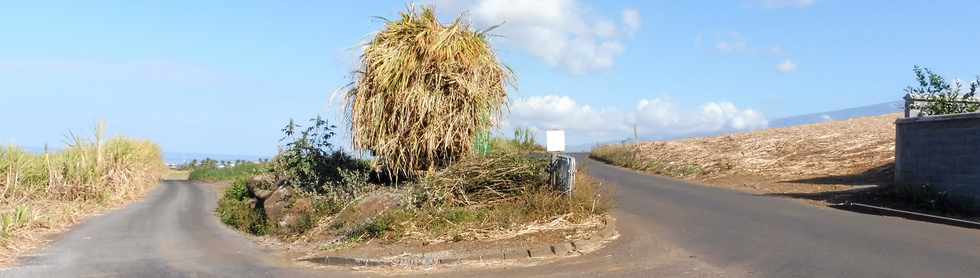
(940, 96)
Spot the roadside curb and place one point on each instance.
(911, 215)
(567, 248)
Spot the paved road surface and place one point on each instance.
(669, 228)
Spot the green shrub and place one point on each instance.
(238, 191)
(243, 217)
(230, 173)
(309, 162)
(523, 142)
(943, 97)
(235, 210)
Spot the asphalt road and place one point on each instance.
(669, 229)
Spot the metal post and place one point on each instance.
(908, 104)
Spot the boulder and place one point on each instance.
(291, 219)
(276, 204)
(262, 186)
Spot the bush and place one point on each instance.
(942, 97)
(234, 210)
(237, 191)
(523, 143)
(230, 173)
(309, 161)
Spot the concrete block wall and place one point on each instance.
(942, 152)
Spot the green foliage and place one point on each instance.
(243, 217)
(524, 142)
(238, 191)
(309, 161)
(943, 97)
(211, 173)
(13, 220)
(235, 209)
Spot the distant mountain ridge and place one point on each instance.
(836, 115)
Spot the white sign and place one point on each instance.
(556, 140)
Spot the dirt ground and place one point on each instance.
(824, 157)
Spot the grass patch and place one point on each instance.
(230, 173)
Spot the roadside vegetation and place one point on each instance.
(941, 96)
(213, 173)
(423, 105)
(323, 194)
(44, 193)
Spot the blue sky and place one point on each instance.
(222, 77)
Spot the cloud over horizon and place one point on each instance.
(563, 33)
(657, 117)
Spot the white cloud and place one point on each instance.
(563, 33)
(787, 3)
(733, 42)
(786, 66)
(562, 112)
(653, 117)
(632, 21)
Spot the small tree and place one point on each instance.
(309, 161)
(941, 96)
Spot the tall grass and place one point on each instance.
(45, 192)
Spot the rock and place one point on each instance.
(262, 186)
(277, 202)
(262, 194)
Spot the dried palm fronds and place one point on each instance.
(424, 91)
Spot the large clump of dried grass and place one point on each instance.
(424, 91)
(484, 180)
